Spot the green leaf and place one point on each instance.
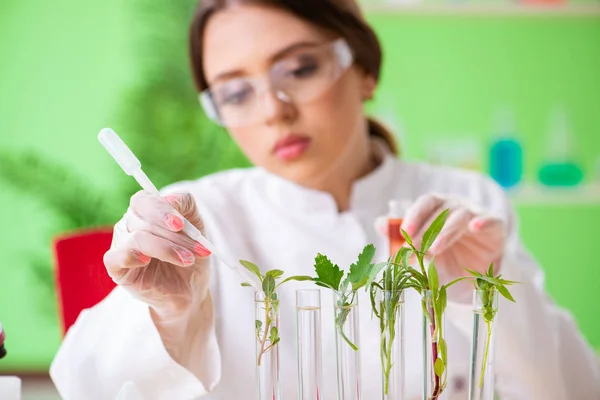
(457, 280)
(443, 348)
(439, 303)
(246, 284)
(323, 285)
(439, 367)
(328, 274)
(490, 272)
(491, 281)
(407, 238)
(252, 268)
(273, 334)
(258, 325)
(298, 278)
(268, 285)
(406, 252)
(359, 272)
(426, 312)
(485, 299)
(275, 273)
(433, 231)
(504, 292)
(374, 272)
(432, 276)
(481, 284)
(474, 273)
(442, 299)
(505, 282)
(372, 296)
(398, 258)
(418, 279)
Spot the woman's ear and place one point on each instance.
(369, 86)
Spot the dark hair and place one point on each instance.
(342, 17)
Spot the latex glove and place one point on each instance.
(470, 238)
(156, 262)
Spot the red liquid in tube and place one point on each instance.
(396, 240)
(395, 235)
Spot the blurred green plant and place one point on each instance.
(74, 204)
(159, 117)
(162, 120)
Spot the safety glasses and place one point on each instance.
(299, 78)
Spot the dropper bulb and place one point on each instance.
(119, 151)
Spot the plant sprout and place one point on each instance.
(330, 276)
(268, 335)
(398, 276)
(490, 286)
(392, 284)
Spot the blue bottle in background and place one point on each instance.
(506, 153)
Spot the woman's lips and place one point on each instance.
(291, 147)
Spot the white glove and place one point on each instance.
(470, 238)
(154, 260)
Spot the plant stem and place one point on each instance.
(345, 308)
(341, 330)
(434, 356)
(267, 326)
(382, 355)
(388, 367)
(421, 265)
(485, 355)
(388, 317)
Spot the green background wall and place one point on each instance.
(65, 65)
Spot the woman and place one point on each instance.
(288, 79)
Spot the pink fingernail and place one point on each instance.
(478, 224)
(174, 221)
(201, 250)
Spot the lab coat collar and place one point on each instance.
(369, 193)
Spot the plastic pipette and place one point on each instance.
(133, 167)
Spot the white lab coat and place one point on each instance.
(254, 215)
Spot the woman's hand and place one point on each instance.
(154, 260)
(469, 239)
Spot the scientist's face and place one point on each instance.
(284, 93)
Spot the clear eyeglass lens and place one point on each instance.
(300, 78)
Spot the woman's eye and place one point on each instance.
(304, 71)
(234, 98)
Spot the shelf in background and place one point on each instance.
(535, 195)
(486, 9)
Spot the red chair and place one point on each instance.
(80, 277)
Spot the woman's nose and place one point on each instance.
(278, 107)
